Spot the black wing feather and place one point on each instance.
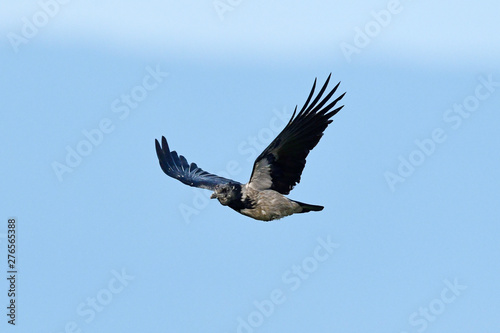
(280, 165)
(176, 166)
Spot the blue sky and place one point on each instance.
(407, 172)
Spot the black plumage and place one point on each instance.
(190, 174)
(276, 170)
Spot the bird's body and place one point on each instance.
(271, 205)
(276, 171)
(263, 205)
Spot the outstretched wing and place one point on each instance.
(280, 165)
(176, 166)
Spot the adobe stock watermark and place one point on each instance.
(223, 6)
(121, 108)
(454, 118)
(31, 25)
(251, 147)
(292, 279)
(95, 304)
(364, 36)
(89, 309)
(428, 314)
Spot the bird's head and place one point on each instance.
(225, 193)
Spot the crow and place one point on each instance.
(275, 171)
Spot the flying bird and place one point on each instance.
(275, 171)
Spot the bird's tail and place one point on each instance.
(308, 208)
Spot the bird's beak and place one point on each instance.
(213, 196)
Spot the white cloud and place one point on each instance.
(260, 29)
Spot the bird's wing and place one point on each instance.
(280, 165)
(176, 166)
